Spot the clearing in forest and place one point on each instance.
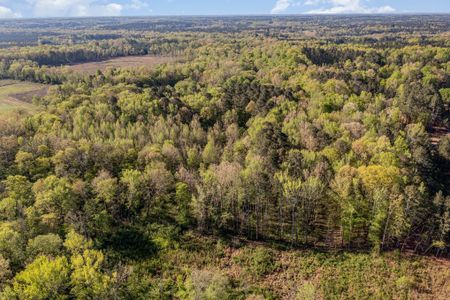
(148, 62)
(19, 95)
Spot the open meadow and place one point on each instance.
(17, 95)
(127, 62)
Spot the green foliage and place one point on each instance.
(183, 197)
(44, 278)
(205, 284)
(361, 276)
(11, 245)
(48, 245)
(87, 277)
(76, 243)
(306, 291)
(5, 272)
(54, 199)
(258, 262)
(18, 197)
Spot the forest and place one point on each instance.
(273, 158)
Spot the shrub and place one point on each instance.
(5, 272)
(206, 285)
(306, 291)
(258, 262)
(49, 244)
(43, 279)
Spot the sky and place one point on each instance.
(85, 8)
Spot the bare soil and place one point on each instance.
(28, 96)
(148, 62)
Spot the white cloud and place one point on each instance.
(312, 2)
(281, 6)
(74, 8)
(112, 9)
(139, 6)
(7, 13)
(347, 7)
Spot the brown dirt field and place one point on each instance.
(7, 82)
(28, 96)
(122, 62)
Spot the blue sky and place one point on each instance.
(80, 8)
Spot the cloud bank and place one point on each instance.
(281, 6)
(346, 7)
(85, 8)
(7, 13)
(74, 8)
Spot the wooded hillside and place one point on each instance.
(279, 140)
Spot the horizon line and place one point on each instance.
(239, 15)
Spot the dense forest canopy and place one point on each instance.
(327, 133)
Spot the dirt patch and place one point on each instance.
(28, 96)
(147, 62)
(7, 82)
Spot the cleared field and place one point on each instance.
(148, 62)
(16, 95)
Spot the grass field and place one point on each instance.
(16, 95)
(147, 62)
